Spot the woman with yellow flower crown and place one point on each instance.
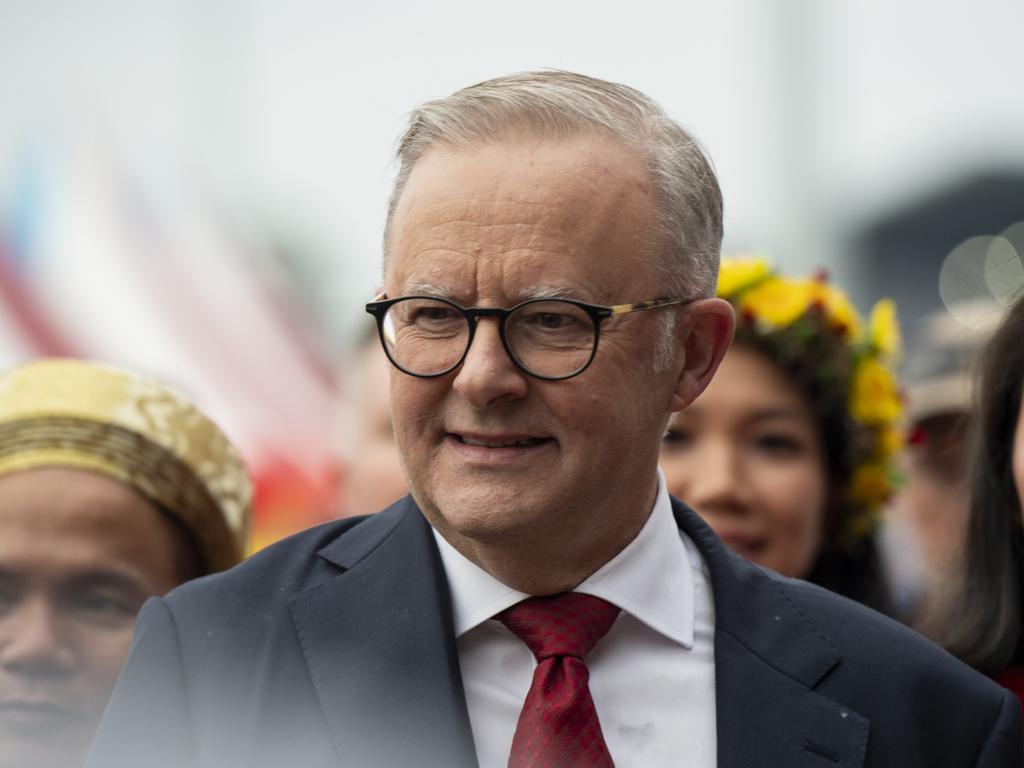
(787, 453)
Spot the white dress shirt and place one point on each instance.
(652, 676)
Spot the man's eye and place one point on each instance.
(553, 321)
(548, 322)
(434, 317)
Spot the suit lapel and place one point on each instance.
(379, 642)
(769, 657)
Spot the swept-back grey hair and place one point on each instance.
(557, 104)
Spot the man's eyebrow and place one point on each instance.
(427, 289)
(545, 292)
(422, 288)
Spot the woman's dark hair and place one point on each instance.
(984, 627)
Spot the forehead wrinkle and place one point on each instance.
(486, 211)
(506, 272)
(474, 237)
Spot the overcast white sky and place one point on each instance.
(817, 114)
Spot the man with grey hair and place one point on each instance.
(538, 599)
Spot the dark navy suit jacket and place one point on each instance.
(336, 648)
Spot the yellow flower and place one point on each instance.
(874, 398)
(737, 273)
(870, 485)
(884, 330)
(839, 310)
(890, 441)
(778, 302)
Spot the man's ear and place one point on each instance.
(704, 333)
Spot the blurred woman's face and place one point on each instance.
(746, 456)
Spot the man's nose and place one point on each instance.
(35, 640)
(487, 373)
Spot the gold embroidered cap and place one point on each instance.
(83, 415)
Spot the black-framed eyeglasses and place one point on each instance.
(550, 339)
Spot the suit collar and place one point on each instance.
(760, 615)
(769, 657)
(657, 555)
(378, 641)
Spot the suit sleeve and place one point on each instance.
(147, 721)
(1004, 745)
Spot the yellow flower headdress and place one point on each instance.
(812, 329)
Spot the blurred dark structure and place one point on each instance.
(902, 253)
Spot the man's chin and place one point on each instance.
(492, 517)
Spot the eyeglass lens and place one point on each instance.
(550, 338)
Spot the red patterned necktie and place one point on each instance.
(558, 726)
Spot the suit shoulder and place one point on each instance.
(276, 573)
(279, 570)
(873, 644)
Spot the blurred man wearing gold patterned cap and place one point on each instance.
(112, 489)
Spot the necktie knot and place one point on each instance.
(568, 624)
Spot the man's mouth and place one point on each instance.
(496, 449)
(501, 442)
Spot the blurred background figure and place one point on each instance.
(925, 523)
(112, 489)
(984, 625)
(788, 452)
(371, 476)
(96, 263)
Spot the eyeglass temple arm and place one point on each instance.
(621, 309)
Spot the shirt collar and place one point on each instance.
(651, 579)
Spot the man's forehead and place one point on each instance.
(435, 223)
(500, 184)
(521, 212)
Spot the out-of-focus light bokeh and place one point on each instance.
(196, 188)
